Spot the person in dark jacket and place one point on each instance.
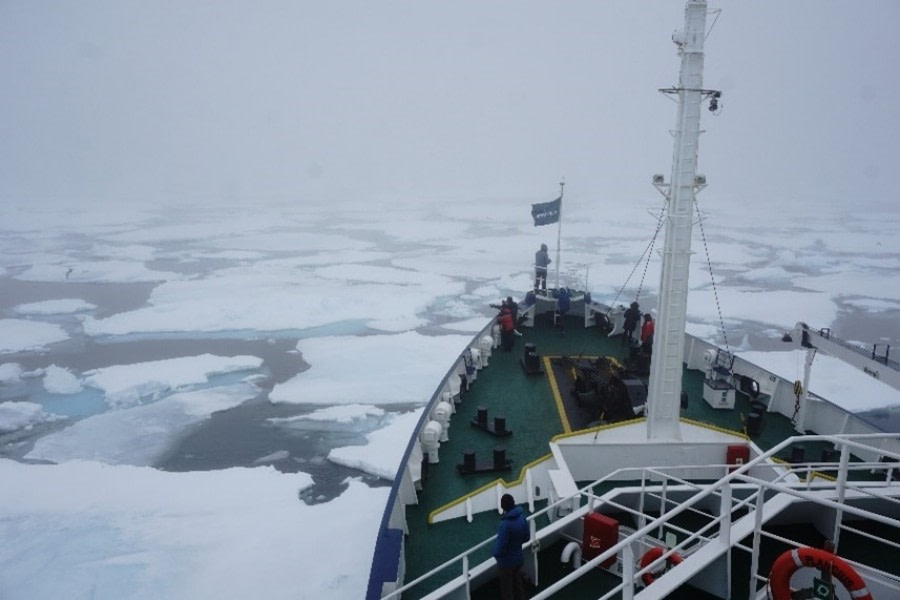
(513, 309)
(541, 260)
(632, 316)
(563, 304)
(511, 534)
(512, 305)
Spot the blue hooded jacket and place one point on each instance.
(512, 533)
(563, 301)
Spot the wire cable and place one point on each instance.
(712, 277)
(648, 251)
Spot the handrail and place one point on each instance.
(374, 586)
(886, 577)
(740, 474)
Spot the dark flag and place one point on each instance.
(546, 212)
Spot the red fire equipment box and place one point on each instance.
(600, 532)
(737, 456)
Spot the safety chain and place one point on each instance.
(798, 391)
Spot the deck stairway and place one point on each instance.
(731, 522)
(738, 508)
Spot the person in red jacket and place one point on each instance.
(507, 328)
(647, 333)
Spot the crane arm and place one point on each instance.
(875, 362)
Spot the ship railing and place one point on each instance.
(885, 581)
(655, 484)
(823, 415)
(860, 350)
(725, 488)
(839, 505)
(739, 479)
(756, 489)
(385, 566)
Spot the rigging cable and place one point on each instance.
(648, 251)
(712, 277)
(716, 20)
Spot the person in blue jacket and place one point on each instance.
(512, 533)
(563, 304)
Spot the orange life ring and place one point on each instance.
(785, 565)
(651, 555)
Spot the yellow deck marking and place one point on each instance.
(712, 427)
(821, 475)
(564, 421)
(556, 396)
(567, 429)
(489, 485)
(598, 428)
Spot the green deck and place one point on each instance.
(531, 413)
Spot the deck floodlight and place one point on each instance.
(658, 179)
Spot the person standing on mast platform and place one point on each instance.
(541, 261)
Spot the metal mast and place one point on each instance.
(664, 399)
(562, 185)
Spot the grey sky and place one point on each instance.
(297, 100)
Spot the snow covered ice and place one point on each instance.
(132, 532)
(118, 527)
(230, 281)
